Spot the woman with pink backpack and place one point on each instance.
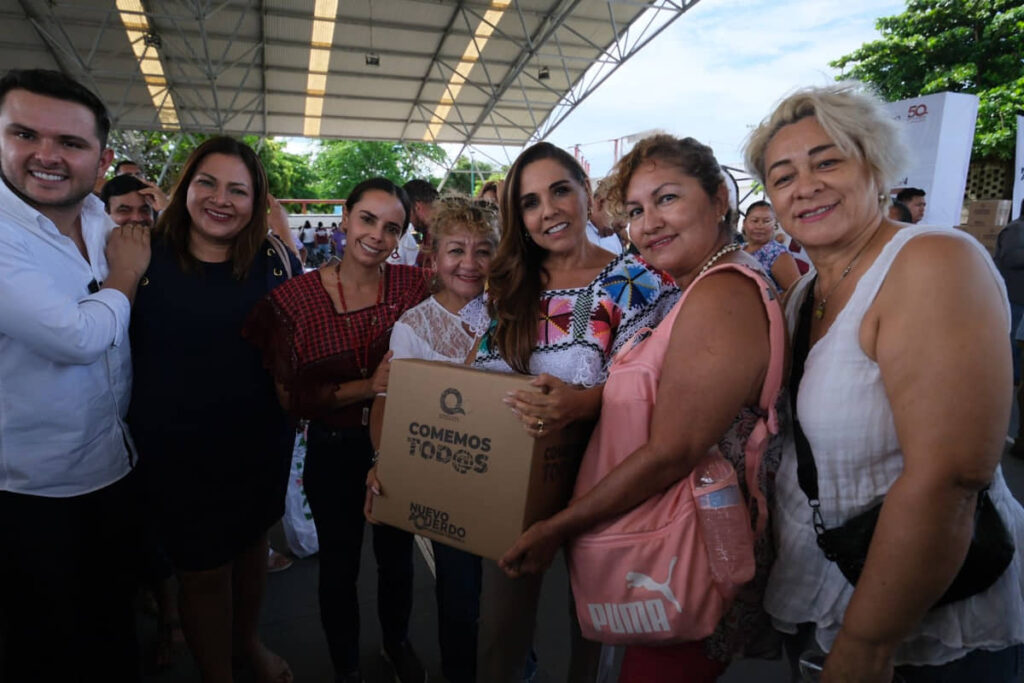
(644, 570)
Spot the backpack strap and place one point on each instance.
(768, 424)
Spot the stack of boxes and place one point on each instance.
(986, 218)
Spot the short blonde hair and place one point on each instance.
(854, 118)
(455, 212)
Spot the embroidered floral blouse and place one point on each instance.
(580, 329)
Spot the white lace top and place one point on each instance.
(579, 330)
(429, 331)
(848, 421)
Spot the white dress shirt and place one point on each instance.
(610, 243)
(65, 361)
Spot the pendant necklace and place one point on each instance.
(371, 333)
(819, 307)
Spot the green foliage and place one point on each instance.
(970, 46)
(334, 169)
(468, 175)
(342, 164)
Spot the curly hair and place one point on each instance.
(455, 212)
(693, 158)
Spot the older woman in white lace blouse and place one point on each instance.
(446, 327)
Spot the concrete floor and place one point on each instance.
(291, 624)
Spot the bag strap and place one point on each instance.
(282, 253)
(806, 470)
(768, 424)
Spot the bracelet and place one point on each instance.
(375, 458)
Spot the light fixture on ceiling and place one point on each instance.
(320, 45)
(145, 45)
(372, 59)
(543, 73)
(460, 75)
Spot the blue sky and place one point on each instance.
(716, 71)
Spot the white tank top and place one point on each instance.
(846, 416)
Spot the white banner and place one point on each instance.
(939, 132)
(1018, 172)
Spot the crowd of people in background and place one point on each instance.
(158, 351)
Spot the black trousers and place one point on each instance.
(67, 582)
(335, 481)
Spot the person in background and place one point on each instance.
(446, 327)
(913, 199)
(422, 196)
(123, 200)
(601, 228)
(322, 240)
(216, 473)
(128, 167)
(69, 500)
(1009, 259)
(899, 212)
(560, 308)
(778, 263)
(489, 192)
(903, 401)
(307, 236)
(338, 240)
(324, 335)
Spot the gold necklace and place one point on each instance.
(819, 308)
(732, 246)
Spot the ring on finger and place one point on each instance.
(540, 425)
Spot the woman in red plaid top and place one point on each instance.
(325, 337)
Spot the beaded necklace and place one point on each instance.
(364, 362)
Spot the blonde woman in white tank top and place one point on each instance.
(905, 399)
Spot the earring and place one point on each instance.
(435, 283)
(394, 253)
(526, 236)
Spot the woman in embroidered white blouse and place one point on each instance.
(446, 327)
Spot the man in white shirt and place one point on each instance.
(68, 507)
(600, 229)
(422, 196)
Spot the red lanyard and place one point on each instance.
(364, 366)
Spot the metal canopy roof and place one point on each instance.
(474, 72)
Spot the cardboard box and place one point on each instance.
(988, 212)
(986, 234)
(457, 466)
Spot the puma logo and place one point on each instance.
(638, 580)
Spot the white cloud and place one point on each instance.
(717, 71)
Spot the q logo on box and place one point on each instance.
(451, 402)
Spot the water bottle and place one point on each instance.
(724, 520)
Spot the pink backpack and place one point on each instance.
(644, 577)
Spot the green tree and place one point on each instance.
(341, 164)
(970, 46)
(468, 176)
(288, 175)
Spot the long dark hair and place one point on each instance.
(175, 222)
(517, 273)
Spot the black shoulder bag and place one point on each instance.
(991, 547)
